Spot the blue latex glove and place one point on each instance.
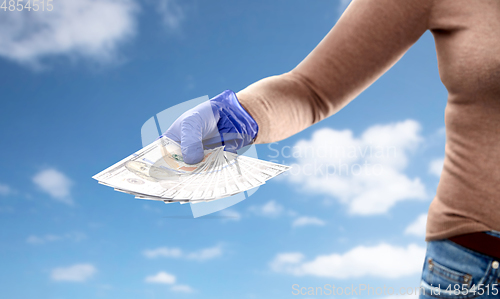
(220, 121)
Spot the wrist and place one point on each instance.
(244, 111)
(228, 104)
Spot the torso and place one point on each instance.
(467, 35)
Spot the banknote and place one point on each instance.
(158, 172)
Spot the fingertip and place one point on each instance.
(193, 160)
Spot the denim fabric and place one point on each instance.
(452, 271)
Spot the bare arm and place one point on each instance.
(370, 37)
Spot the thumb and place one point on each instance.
(191, 141)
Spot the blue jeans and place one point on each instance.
(452, 271)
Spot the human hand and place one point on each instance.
(220, 121)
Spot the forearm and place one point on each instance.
(368, 39)
(284, 105)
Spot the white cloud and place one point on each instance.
(161, 277)
(182, 288)
(199, 255)
(163, 252)
(5, 190)
(230, 215)
(417, 227)
(40, 240)
(269, 209)
(171, 12)
(383, 260)
(436, 167)
(205, 254)
(74, 236)
(86, 28)
(55, 183)
(305, 220)
(75, 273)
(365, 173)
(283, 259)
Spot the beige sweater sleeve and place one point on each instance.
(367, 40)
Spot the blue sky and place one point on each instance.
(78, 83)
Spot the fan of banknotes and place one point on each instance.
(158, 172)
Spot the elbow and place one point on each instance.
(321, 104)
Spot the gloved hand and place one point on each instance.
(220, 121)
